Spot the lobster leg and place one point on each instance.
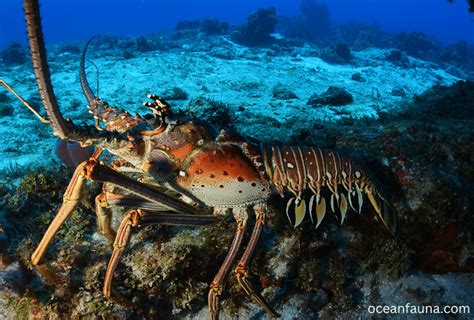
(217, 285)
(104, 217)
(107, 199)
(126, 201)
(71, 199)
(93, 170)
(97, 171)
(137, 218)
(242, 269)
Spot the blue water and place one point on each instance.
(80, 19)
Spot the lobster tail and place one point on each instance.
(41, 69)
(384, 210)
(302, 169)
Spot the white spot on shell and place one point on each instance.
(290, 165)
(182, 174)
(357, 174)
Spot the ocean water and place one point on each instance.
(374, 98)
(448, 21)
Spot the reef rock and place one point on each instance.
(260, 25)
(213, 27)
(398, 58)
(398, 92)
(339, 53)
(12, 277)
(358, 77)
(282, 92)
(417, 44)
(334, 96)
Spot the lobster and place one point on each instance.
(175, 170)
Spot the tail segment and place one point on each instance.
(297, 169)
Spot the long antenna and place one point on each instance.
(97, 78)
(36, 113)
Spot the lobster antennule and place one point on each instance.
(86, 88)
(40, 66)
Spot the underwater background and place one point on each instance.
(389, 83)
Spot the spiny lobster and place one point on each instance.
(191, 176)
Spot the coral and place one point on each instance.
(260, 25)
(334, 96)
(14, 54)
(37, 191)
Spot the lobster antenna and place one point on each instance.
(91, 98)
(36, 113)
(97, 77)
(41, 69)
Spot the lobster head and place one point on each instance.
(169, 148)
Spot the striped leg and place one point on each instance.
(71, 199)
(92, 169)
(217, 285)
(104, 217)
(137, 218)
(242, 269)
